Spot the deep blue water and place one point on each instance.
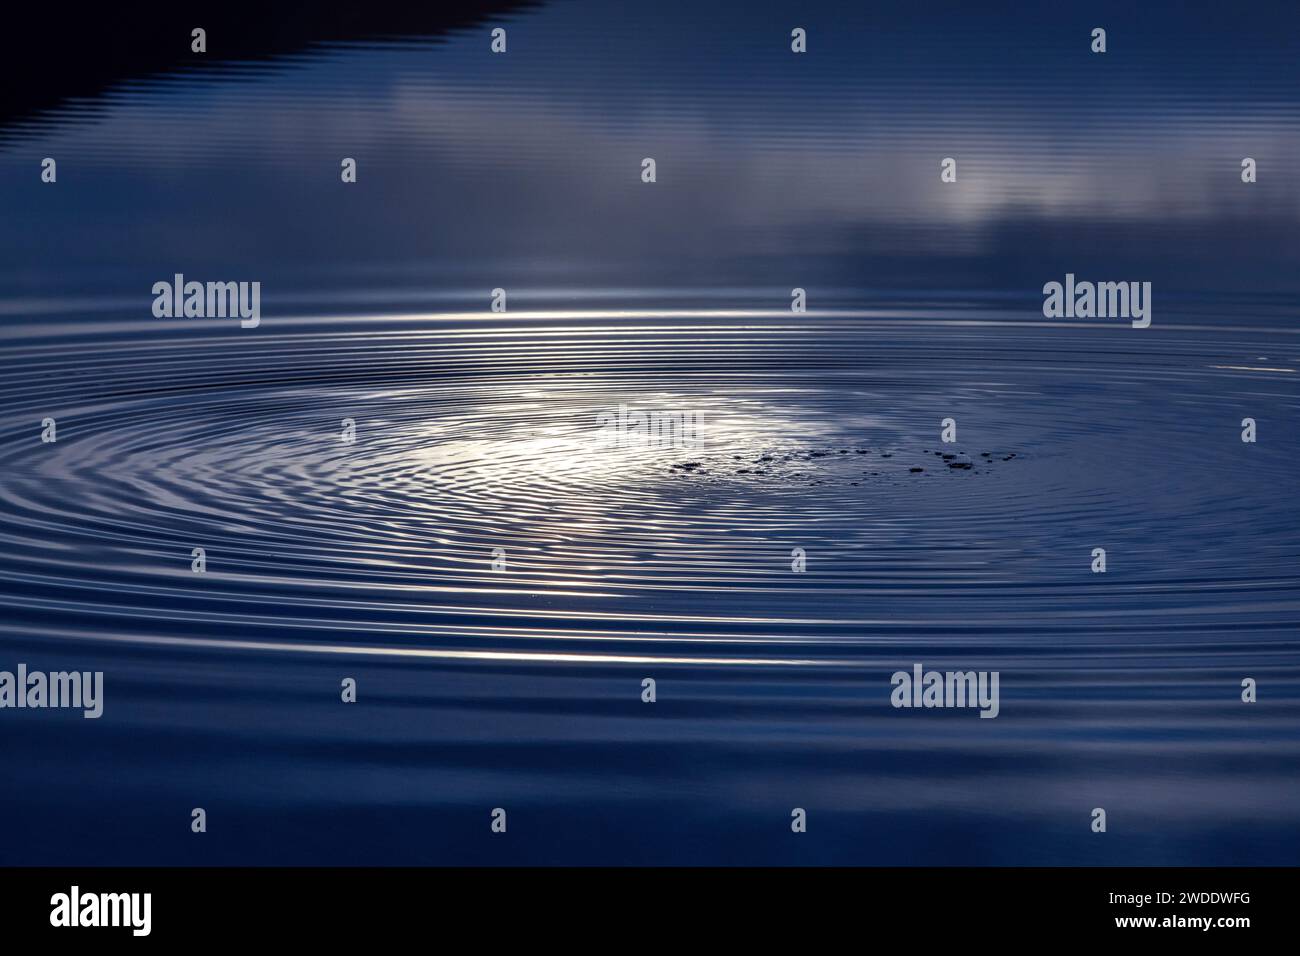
(477, 431)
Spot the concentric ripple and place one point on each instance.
(482, 519)
(468, 444)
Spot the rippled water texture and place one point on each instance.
(478, 438)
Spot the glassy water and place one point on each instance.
(477, 436)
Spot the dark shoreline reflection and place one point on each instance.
(45, 66)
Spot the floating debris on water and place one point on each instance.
(778, 464)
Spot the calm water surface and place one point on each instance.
(477, 431)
